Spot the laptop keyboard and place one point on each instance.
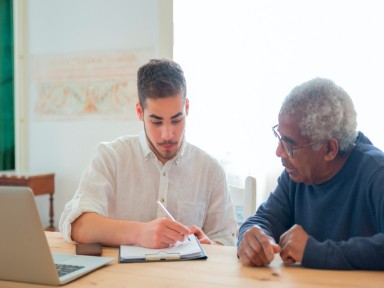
(64, 269)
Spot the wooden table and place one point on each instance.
(39, 183)
(221, 269)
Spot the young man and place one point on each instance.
(327, 210)
(115, 202)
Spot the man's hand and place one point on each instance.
(292, 244)
(203, 239)
(161, 233)
(257, 248)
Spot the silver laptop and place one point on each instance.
(24, 252)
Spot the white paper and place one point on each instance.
(188, 249)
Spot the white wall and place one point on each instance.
(61, 27)
(243, 57)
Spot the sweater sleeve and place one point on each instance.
(273, 216)
(364, 253)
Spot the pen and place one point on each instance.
(165, 210)
(168, 214)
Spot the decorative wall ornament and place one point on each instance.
(93, 84)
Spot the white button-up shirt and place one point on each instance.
(125, 179)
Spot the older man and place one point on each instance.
(327, 210)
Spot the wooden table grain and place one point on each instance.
(221, 269)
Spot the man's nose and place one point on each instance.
(167, 132)
(280, 150)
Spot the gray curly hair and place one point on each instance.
(324, 111)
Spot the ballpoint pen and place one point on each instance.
(168, 214)
(165, 210)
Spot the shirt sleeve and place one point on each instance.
(220, 224)
(91, 195)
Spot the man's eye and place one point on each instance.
(287, 145)
(156, 123)
(287, 142)
(176, 121)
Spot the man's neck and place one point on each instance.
(335, 166)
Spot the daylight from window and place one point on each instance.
(241, 58)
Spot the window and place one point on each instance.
(7, 125)
(241, 58)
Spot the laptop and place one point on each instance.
(24, 252)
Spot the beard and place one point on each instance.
(167, 154)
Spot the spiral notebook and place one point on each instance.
(190, 249)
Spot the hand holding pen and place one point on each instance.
(168, 214)
(159, 233)
(197, 231)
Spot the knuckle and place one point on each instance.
(264, 241)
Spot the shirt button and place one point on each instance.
(164, 173)
(162, 200)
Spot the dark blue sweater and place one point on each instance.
(344, 217)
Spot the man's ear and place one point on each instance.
(186, 106)
(139, 111)
(331, 149)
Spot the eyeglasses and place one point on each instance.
(288, 148)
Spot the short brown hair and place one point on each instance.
(160, 78)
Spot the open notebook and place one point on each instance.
(24, 252)
(189, 249)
